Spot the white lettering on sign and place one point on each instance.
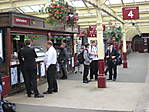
(21, 20)
(130, 14)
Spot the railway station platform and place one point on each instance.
(129, 93)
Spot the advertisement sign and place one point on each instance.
(130, 13)
(21, 20)
(1, 43)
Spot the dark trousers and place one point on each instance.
(51, 78)
(112, 70)
(30, 77)
(63, 69)
(94, 69)
(86, 71)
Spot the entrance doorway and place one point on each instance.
(138, 44)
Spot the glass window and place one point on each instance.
(26, 9)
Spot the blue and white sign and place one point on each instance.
(1, 43)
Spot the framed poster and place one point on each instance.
(1, 43)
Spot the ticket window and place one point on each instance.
(17, 44)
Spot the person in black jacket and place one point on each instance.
(62, 59)
(111, 57)
(27, 57)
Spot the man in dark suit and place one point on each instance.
(111, 56)
(27, 57)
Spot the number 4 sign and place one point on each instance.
(130, 13)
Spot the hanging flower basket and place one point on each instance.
(59, 11)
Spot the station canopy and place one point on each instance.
(86, 11)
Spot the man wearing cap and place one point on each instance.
(111, 57)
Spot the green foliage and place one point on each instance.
(115, 32)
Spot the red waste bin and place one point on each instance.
(6, 85)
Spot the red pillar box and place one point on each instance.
(125, 60)
(6, 85)
(101, 77)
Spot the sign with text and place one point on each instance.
(92, 32)
(21, 20)
(130, 13)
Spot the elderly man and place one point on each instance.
(50, 62)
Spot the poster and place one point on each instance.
(42, 68)
(14, 76)
(1, 43)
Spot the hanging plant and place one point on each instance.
(60, 12)
(113, 32)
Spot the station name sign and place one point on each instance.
(130, 13)
(21, 20)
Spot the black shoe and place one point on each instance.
(65, 77)
(39, 96)
(29, 95)
(114, 79)
(55, 91)
(47, 92)
(109, 79)
(85, 81)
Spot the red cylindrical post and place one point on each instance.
(101, 78)
(125, 60)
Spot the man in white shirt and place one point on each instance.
(94, 57)
(50, 62)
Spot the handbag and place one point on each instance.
(8, 106)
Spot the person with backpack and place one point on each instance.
(86, 63)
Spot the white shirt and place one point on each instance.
(50, 57)
(93, 50)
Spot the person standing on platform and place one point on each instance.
(27, 57)
(50, 62)
(62, 59)
(94, 56)
(86, 63)
(111, 57)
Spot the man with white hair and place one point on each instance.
(50, 62)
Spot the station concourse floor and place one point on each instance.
(130, 93)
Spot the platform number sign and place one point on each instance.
(130, 13)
